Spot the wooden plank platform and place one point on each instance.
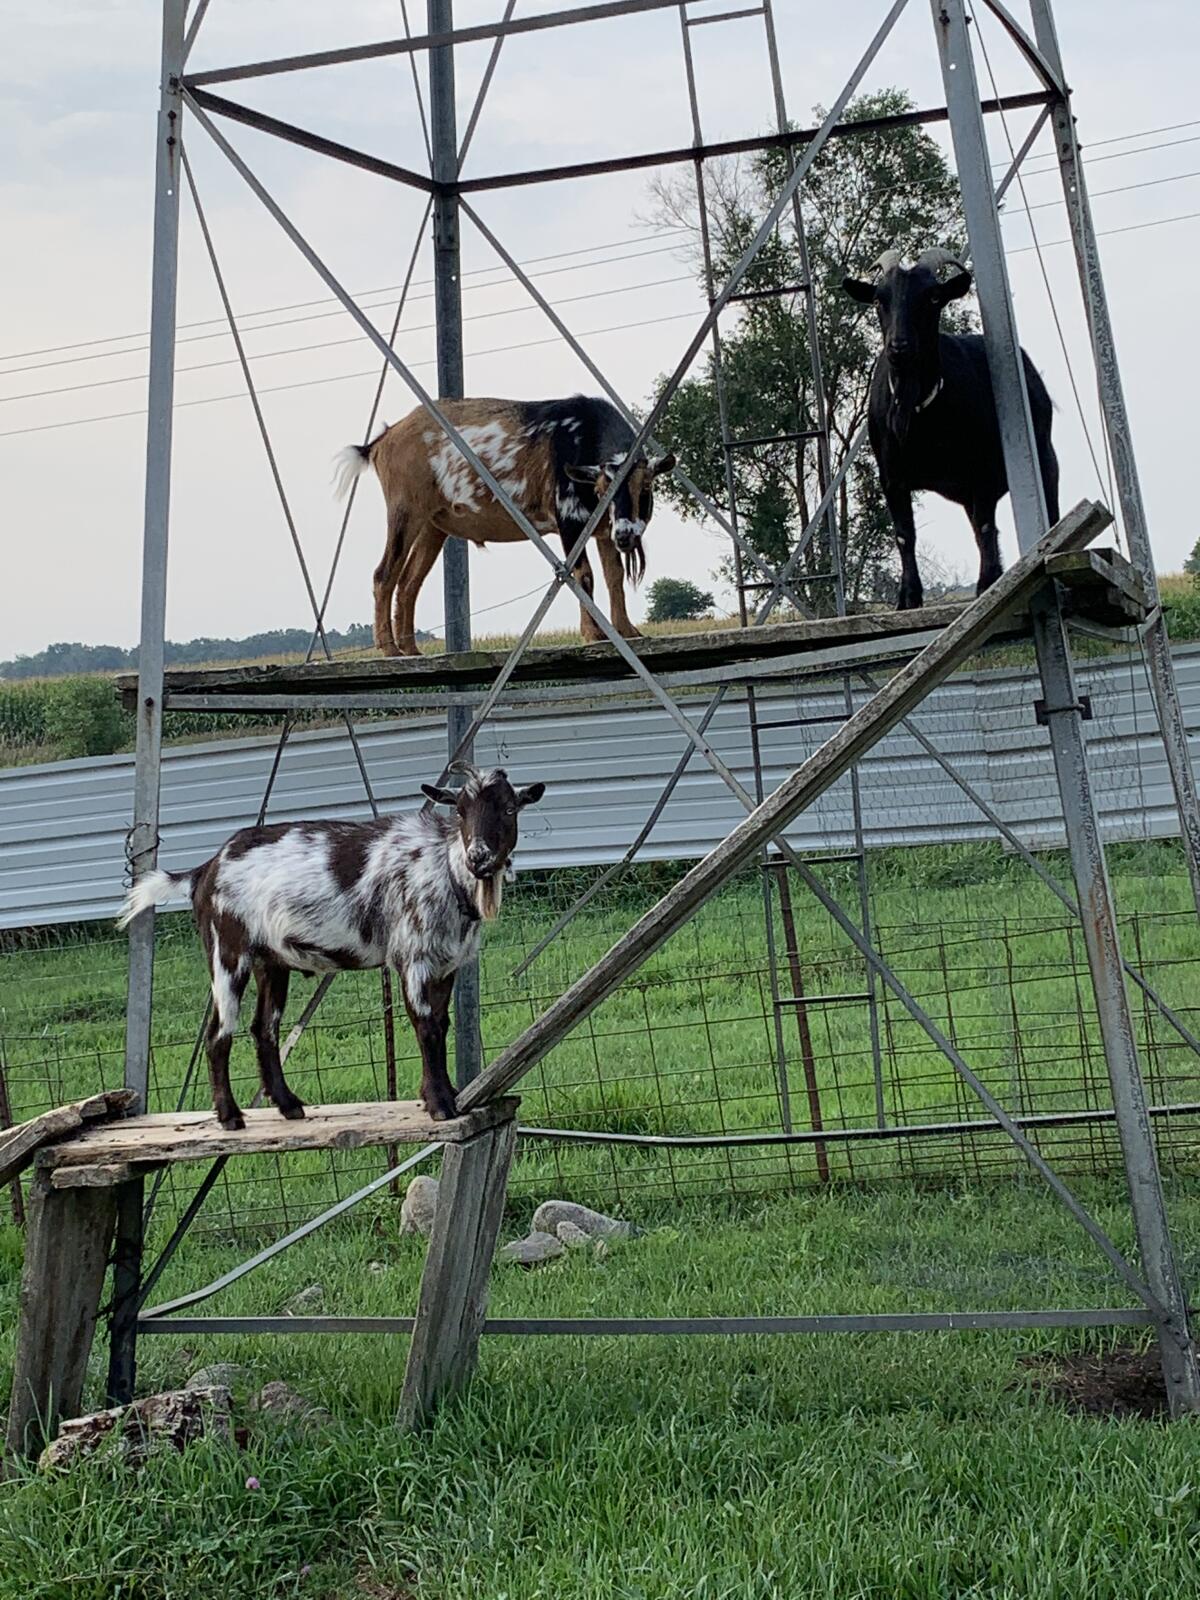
(113, 1153)
(1101, 587)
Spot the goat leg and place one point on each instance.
(272, 998)
(987, 537)
(899, 503)
(429, 1012)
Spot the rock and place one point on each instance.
(376, 1267)
(600, 1250)
(221, 1375)
(174, 1418)
(551, 1213)
(277, 1399)
(419, 1207)
(306, 1302)
(537, 1247)
(573, 1236)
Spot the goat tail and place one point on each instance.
(155, 889)
(350, 464)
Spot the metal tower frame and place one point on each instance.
(1157, 1286)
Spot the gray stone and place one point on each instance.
(420, 1206)
(278, 1399)
(174, 1418)
(307, 1302)
(573, 1236)
(551, 1213)
(221, 1375)
(534, 1249)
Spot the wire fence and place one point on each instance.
(689, 1050)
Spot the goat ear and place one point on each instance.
(531, 795)
(440, 797)
(864, 293)
(954, 288)
(586, 475)
(662, 464)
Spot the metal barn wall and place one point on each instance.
(62, 826)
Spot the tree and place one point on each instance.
(1192, 564)
(676, 600)
(864, 194)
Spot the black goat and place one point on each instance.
(932, 413)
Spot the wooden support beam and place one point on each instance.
(824, 767)
(454, 1286)
(67, 1242)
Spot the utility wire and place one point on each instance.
(328, 299)
(337, 344)
(559, 255)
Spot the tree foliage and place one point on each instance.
(863, 195)
(676, 600)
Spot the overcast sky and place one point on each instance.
(78, 93)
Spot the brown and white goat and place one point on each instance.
(409, 892)
(554, 458)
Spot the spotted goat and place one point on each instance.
(554, 458)
(409, 892)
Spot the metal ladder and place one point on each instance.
(776, 872)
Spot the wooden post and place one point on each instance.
(454, 1286)
(66, 1256)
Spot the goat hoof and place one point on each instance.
(292, 1109)
(233, 1123)
(443, 1110)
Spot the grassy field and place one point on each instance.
(922, 1466)
(702, 1469)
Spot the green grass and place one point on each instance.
(670, 1469)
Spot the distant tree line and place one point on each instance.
(63, 660)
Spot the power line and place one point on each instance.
(318, 316)
(336, 344)
(559, 255)
(372, 372)
(312, 383)
(1124, 188)
(387, 288)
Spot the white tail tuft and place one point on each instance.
(348, 465)
(154, 889)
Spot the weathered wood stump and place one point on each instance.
(83, 1181)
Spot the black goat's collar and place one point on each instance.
(931, 396)
(921, 404)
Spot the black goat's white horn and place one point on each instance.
(887, 260)
(937, 256)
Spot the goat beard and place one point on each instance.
(489, 895)
(635, 563)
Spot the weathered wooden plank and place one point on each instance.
(102, 1175)
(19, 1145)
(563, 663)
(454, 1285)
(66, 1255)
(902, 692)
(198, 1136)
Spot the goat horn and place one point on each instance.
(936, 256)
(887, 260)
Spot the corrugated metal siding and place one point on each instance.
(62, 827)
